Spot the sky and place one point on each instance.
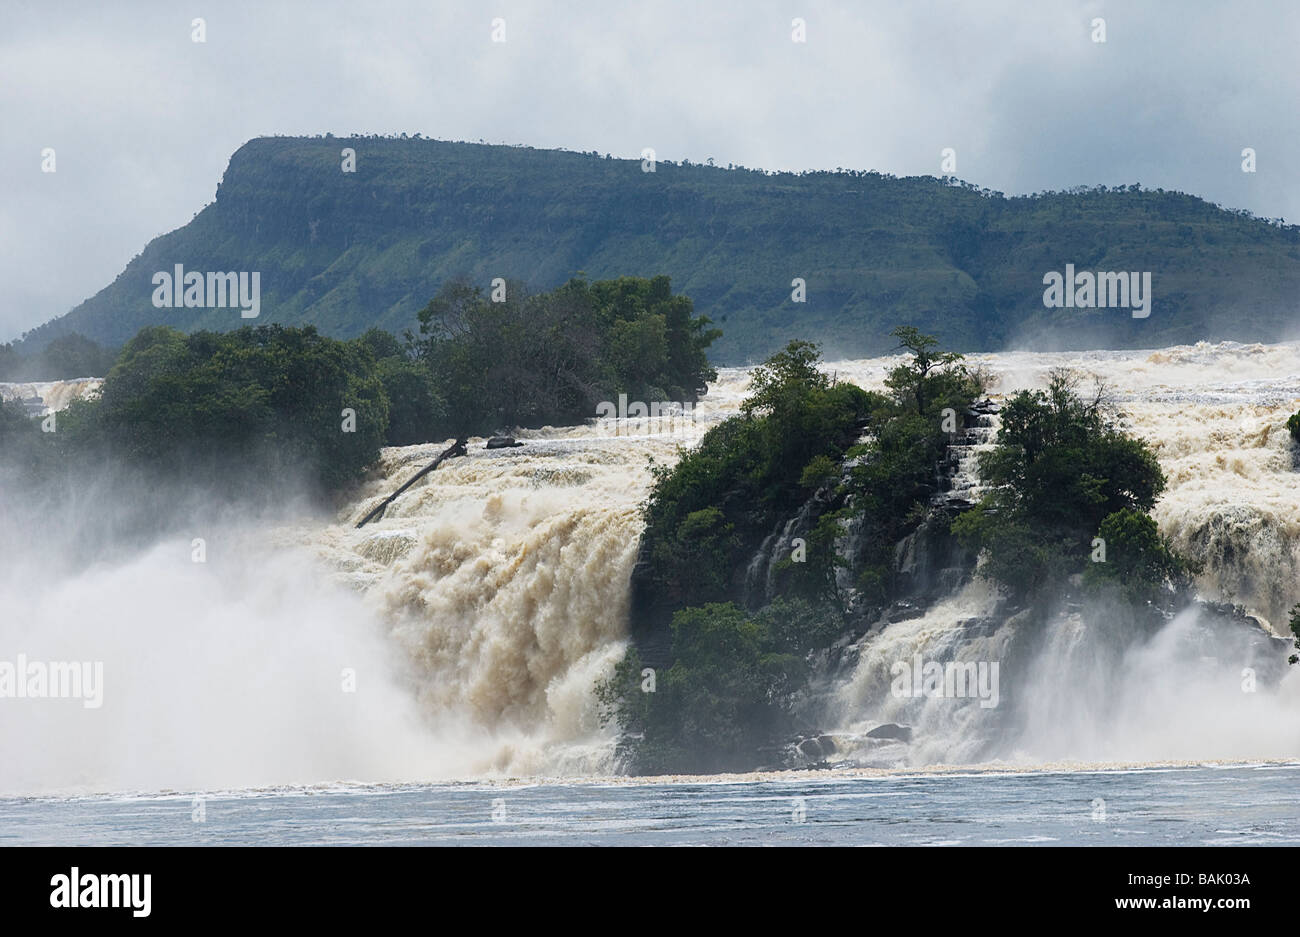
(142, 119)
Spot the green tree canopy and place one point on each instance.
(284, 396)
(1062, 467)
(525, 359)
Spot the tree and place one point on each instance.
(286, 399)
(417, 412)
(11, 362)
(25, 452)
(730, 690)
(70, 356)
(65, 357)
(1138, 559)
(739, 667)
(534, 359)
(1062, 471)
(704, 514)
(781, 386)
(911, 381)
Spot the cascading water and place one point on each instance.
(943, 729)
(966, 487)
(478, 585)
(480, 612)
(1214, 415)
(52, 395)
(504, 578)
(1191, 691)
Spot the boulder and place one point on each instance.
(811, 749)
(891, 730)
(502, 442)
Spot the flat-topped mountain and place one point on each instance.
(350, 250)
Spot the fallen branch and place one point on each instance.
(455, 449)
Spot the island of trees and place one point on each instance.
(217, 409)
(732, 664)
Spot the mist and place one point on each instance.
(230, 657)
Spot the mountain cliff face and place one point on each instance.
(350, 250)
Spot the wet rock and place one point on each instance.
(891, 730)
(903, 610)
(502, 442)
(979, 627)
(811, 749)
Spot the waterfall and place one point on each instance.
(482, 610)
(505, 575)
(973, 440)
(50, 396)
(1077, 685)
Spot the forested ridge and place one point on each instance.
(349, 251)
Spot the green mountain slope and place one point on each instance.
(347, 251)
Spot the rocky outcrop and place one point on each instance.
(762, 575)
(928, 562)
(807, 751)
(892, 731)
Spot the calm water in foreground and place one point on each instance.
(1218, 805)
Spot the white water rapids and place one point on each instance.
(52, 395)
(478, 614)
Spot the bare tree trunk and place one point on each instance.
(455, 449)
